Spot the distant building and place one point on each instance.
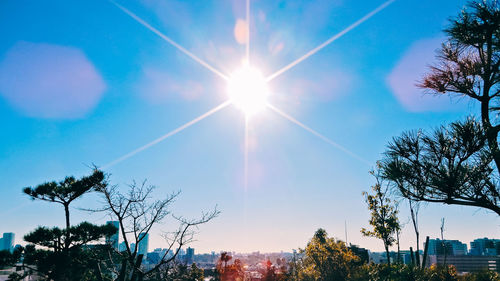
(189, 257)
(122, 247)
(182, 252)
(448, 247)
(378, 257)
(485, 247)
(405, 256)
(7, 242)
(113, 239)
(468, 263)
(143, 243)
(153, 257)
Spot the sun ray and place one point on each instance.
(172, 42)
(245, 176)
(167, 135)
(330, 40)
(248, 32)
(325, 139)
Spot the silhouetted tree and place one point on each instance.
(459, 163)
(67, 191)
(8, 258)
(63, 255)
(383, 220)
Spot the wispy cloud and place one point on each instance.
(49, 81)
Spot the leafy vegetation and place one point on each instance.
(384, 219)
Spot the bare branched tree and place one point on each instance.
(137, 213)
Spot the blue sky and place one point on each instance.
(82, 83)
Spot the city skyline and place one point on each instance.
(481, 246)
(358, 92)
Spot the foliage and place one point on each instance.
(458, 163)
(77, 263)
(229, 272)
(326, 259)
(396, 272)
(276, 272)
(56, 238)
(484, 275)
(383, 220)
(8, 258)
(452, 165)
(441, 273)
(66, 191)
(178, 271)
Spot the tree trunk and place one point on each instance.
(66, 238)
(417, 256)
(66, 213)
(412, 256)
(388, 256)
(491, 134)
(123, 270)
(137, 267)
(426, 251)
(399, 249)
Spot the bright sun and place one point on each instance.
(247, 90)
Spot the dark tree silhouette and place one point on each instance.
(67, 191)
(459, 163)
(8, 258)
(64, 256)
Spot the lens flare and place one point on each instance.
(247, 90)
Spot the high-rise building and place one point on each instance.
(7, 241)
(122, 247)
(189, 257)
(485, 247)
(113, 239)
(458, 248)
(182, 252)
(450, 247)
(143, 244)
